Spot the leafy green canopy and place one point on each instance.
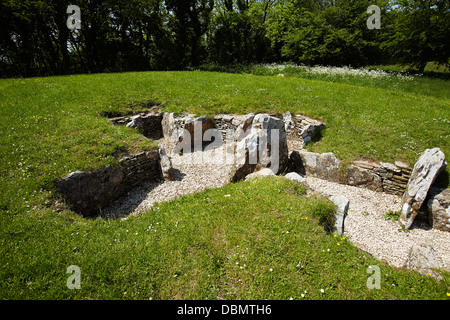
(125, 35)
(420, 32)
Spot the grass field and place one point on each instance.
(203, 246)
(52, 126)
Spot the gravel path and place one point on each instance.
(365, 225)
(193, 172)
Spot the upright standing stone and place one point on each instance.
(289, 124)
(319, 165)
(430, 164)
(194, 131)
(166, 165)
(264, 145)
(168, 126)
(342, 204)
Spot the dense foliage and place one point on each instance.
(123, 35)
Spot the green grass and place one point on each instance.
(387, 119)
(202, 246)
(432, 69)
(392, 215)
(434, 83)
(56, 125)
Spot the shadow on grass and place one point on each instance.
(437, 75)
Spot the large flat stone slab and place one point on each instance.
(429, 165)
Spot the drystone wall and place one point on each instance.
(300, 127)
(87, 192)
(376, 176)
(394, 177)
(297, 127)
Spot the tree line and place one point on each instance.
(138, 35)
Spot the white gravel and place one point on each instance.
(193, 172)
(365, 225)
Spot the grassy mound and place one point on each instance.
(259, 239)
(56, 125)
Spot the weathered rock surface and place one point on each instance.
(194, 131)
(360, 177)
(166, 165)
(87, 192)
(394, 176)
(429, 165)
(289, 125)
(243, 129)
(423, 258)
(262, 145)
(149, 125)
(294, 176)
(311, 128)
(229, 124)
(266, 172)
(173, 126)
(438, 207)
(382, 177)
(168, 126)
(366, 164)
(342, 204)
(302, 127)
(319, 165)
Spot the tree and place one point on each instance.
(325, 32)
(189, 21)
(29, 42)
(238, 32)
(421, 33)
(122, 35)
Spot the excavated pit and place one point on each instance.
(138, 183)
